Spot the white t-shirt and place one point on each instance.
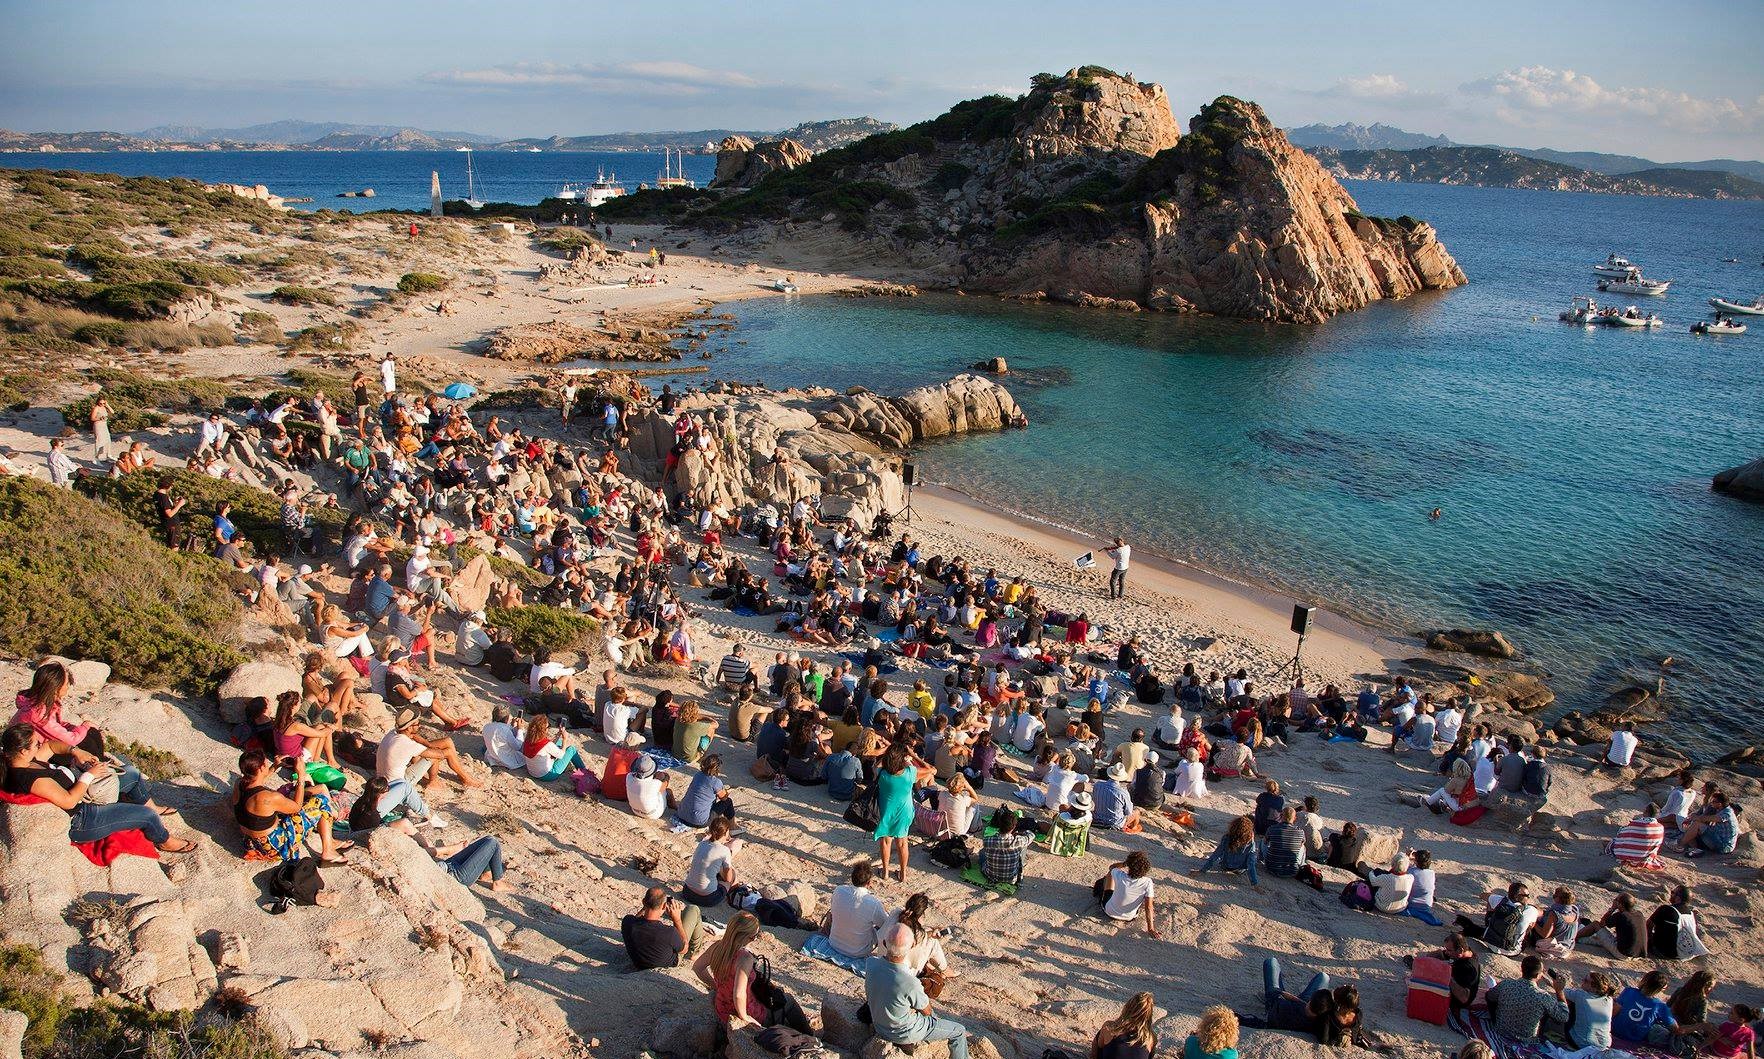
(389, 374)
(855, 915)
(502, 745)
(708, 862)
(547, 669)
(1028, 727)
(1122, 555)
(395, 753)
(1446, 724)
(1402, 713)
(1170, 729)
(1484, 775)
(1679, 802)
(539, 765)
(647, 796)
(615, 720)
(1623, 746)
(1059, 786)
(1128, 896)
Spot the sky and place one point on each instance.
(1676, 81)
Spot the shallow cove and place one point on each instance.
(1572, 466)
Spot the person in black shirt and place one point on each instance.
(663, 932)
(170, 511)
(502, 660)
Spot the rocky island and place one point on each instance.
(1086, 190)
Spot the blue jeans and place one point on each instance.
(91, 823)
(1271, 988)
(949, 1030)
(1425, 914)
(131, 786)
(470, 863)
(401, 797)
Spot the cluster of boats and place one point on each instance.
(1619, 275)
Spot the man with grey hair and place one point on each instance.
(900, 1012)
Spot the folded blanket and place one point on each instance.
(103, 852)
(821, 948)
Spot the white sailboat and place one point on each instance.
(674, 175)
(471, 198)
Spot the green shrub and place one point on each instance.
(108, 263)
(78, 581)
(107, 333)
(260, 326)
(30, 268)
(18, 389)
(290, 294)
(138, 301)
(330, 337)
(256, 513)
(137, 402)
(155, 764)
(60, 1028)
(540, 625)
(566, 241)
(422, 283)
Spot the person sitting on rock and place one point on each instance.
(1716, 830)
(1637, 844)
(548, 754)
(29, 769)
(662, 932)
(275, 825)
(407, 752)
(900, 1012)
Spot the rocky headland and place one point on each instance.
(742, 163)
(1086, 190)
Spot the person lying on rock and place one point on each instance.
(30, 768)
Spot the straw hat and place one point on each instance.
(1118, 771)
(634, 740)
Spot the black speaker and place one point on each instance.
(1301, 618)
(909, 473)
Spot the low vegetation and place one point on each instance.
(539, 625)
(64, 1026)
(138, 402)
(566, 241)
(155, 764)
(293, 294)
(422, 283)
(327, 337)
(256, 513)
(259, 326)
(77, 581)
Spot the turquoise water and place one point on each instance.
(400, 179)
(1572, 466)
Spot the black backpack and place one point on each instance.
(1502, 928)
(952, 852)
(290, 883)
(864, 812)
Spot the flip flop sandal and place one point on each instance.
(187, 847)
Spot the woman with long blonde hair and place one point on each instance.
(1128, 1035)
(1215, 1037)
(726, 969)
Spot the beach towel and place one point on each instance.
(103, 852)
(974, 876)
(1481, 1027)
(821, 948)
(746, 612)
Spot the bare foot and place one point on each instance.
(501, 886)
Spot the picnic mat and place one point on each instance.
(1481, 1027)
(973, 875)
(821, 948)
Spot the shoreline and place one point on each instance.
(1337, 647)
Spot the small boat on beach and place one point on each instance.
(1633, 283)
(784, 286)
(1630, 317)
(1721, 326)
(1585, 312)
(1614, 266)
(1756, 308)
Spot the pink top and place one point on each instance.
(47, 721)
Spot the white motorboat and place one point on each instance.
(1756, 308)
(1633, 283)
(1615, 267)
(1585, 312)
(1721, 326)
(602, 190)
(1630, 317)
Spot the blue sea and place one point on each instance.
(1572, 467)
(400, 179)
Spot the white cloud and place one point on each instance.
(1372, 86)
(648, 78)
(1537, 95)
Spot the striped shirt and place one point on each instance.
(1638, 842)
(1286, 850)
(733, 670)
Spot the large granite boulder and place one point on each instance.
(154, 958)
(1745, 482)
(252, 680)
(742, 163)
(965, 404)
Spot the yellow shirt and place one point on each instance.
(922, 703)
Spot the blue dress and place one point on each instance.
(894, 802)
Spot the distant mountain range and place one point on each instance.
(1390, 138)
(1498, 167)
(292, 132)
(337, 136)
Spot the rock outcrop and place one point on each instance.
(1745, 482)
(963, 405)
(1086, 190)
(742, 163)
(1485, 642)
(553, 342)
